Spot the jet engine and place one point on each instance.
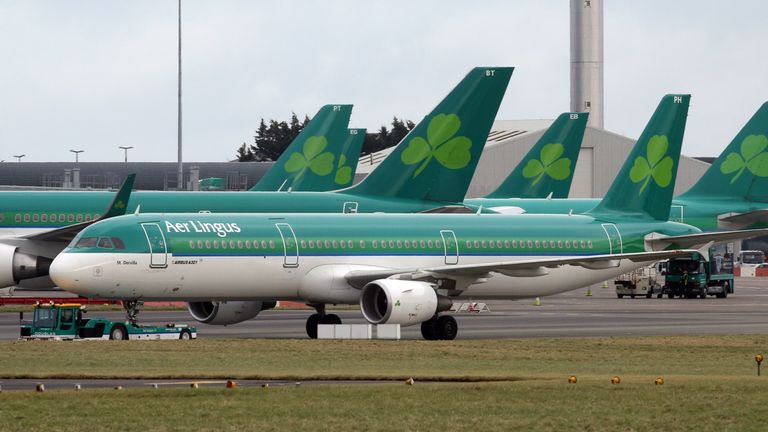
(226, 313)
(15, 265)
(392, 301)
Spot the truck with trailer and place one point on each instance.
(697, 276)
(66, 322)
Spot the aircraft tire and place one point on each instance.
(312, 323)
(330, 319)
(428, 329)
(446, 327)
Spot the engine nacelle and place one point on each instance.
(226, 313)
(392, 301)
(16, 266)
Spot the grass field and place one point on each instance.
(711, 385)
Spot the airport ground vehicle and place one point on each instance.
(644, 282)
(696, 276)
(65, 321)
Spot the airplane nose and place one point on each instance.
(66, 272)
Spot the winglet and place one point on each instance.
(120, 203)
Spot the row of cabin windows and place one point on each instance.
(53, 217)
(392, 244)
(530, 244)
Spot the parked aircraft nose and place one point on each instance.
(67, 273)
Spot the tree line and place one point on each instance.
(273, 137)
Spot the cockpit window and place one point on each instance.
(86, 242)
(105, 243)
(118, 242)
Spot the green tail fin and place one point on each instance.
(347, 162)
(310, 161)
(437, 159)
(741, 171)
(645, 184)
(548, 168)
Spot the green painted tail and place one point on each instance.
(350, 155)
(548, 168)
(741, 171)
(310, 161)
(644, 186)
(437, 159)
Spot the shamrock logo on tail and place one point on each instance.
(343, 172)
(550, 164)
(312, 157)
(657, 165)
(752, 157)
(452, 152)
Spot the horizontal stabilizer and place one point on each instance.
(658, 242)
(525, 268)
(742, 220)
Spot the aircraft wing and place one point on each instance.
(524, 268)
(740, 220)
(701, 239)
(116, 208)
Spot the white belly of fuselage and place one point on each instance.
(190, 278)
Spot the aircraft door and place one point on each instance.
(290, 246)
(676, 214)
(614, 238)
(157, 246)
(451, 246)
(350, 207)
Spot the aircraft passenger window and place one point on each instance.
(530, 244)
(231, 244)
(438, 243)
(469, 244)
(407, 244)
(514, 244)
(350, 244)
(223, 244)
(399, 244)
(70, 218)
(240, 244)
(199, 244)
(538, 244)
(544, 244)
(575, 244)
(191, 244)
(391, 244)
(560, 244)
(429, 243)
(506, 244)
(272, 244)
(215, 244)
(87, 218)
(567, 244)
(17, 218)
(362, 244)
(552, 243)
(303, 244)
(343, 244)
(477, 244)
(62, 217)
(79, 217)
(26, 217)
(263, 244)
(335, 244)
(207, 244)
(86, 242)
(422, 244)
(582, 244)
(383, 244)
(375, 244)
(53, 217)
(319, 244)
(44, 218)
(327, 244)
(589, 244)
(35, 217)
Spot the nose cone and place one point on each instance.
(66, 273)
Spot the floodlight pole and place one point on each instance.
(126, 148)
(18, 157)
(180, 173)
(77, 154)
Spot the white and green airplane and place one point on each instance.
(400, 268)
(430, 169)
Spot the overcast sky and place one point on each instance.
(95, 75)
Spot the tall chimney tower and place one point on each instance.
(587, 59)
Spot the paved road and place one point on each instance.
(566, 315)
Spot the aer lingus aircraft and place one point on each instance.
(318, 162)
(547, 169)
(732, 193)
(400, 268)
(430, 169)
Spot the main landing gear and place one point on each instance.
(320, 318)
(440, 327)
(132, 309)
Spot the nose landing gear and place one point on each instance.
(132, 309)
(320, 318)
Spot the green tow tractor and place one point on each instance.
(66, 322)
